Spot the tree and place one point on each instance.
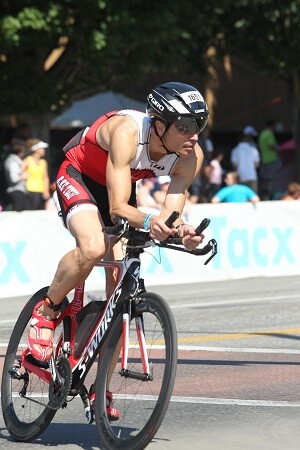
(55, 52)
(266, 34)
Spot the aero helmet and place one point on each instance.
(179, 103)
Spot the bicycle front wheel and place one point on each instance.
(24, 396)
(142, 404)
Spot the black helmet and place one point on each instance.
(179, 103)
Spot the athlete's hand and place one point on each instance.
(189, 237)
(159, 230)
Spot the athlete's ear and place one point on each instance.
(159, 127)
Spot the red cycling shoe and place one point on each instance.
(113, 414)
(40, 337)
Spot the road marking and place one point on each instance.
(183, 305)
(238, 301)
(278, 351)
(230, 336)
(197, 400)
(234, 401)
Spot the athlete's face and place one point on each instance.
(181, 143)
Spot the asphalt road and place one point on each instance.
(238, 379)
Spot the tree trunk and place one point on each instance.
(295, 104)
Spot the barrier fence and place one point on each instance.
(253, 240)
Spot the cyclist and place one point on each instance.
(96, 182)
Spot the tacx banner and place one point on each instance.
(260, 240)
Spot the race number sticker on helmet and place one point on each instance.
(192, 96)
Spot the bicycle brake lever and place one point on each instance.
(214, 250)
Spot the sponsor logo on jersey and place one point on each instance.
(66, 188)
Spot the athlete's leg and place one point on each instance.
(115, 252)
(91, 245)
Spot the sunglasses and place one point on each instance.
(190, 125)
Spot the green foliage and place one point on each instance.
(101, 43)
(264, 32)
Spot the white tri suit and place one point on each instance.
(81, 178)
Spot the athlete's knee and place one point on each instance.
(92, 250)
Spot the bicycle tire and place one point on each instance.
(142, 404)
(25, 417)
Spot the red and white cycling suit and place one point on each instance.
(81, 179)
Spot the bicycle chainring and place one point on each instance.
(58, 395)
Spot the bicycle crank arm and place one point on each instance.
(136, 375)
(56, 378)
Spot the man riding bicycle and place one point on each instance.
(96, 183)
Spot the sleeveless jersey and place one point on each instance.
(85, 154)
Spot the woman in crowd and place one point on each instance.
(36, 167)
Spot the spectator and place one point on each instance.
(144, 193)
(234, 192)
(269, 160)
(163, 185)
(293, 192)
(206, 143)
(160, 194)
(50, 204)
(22, 133)
(197, 189)
(15, 177)
(36, 167)
(287, 170)
(245, 159)
(214, 174)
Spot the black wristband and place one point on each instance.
(49, 303)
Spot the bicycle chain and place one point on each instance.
(58, 396)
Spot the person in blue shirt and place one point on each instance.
(234, 192)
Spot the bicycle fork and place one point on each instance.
(147, 374)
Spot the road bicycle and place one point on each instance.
(131, 336)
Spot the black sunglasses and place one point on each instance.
(190, 125)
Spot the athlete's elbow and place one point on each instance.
(114, 213)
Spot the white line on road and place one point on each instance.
(234, 401)
(200, 304)
(194, 348)
(240, 350)
(238, 301)
(198, 400)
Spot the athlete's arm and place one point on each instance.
(121, 136)
(187, 169)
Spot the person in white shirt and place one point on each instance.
(245, 158)
(16, 178)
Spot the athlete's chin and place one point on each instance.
(187, 150)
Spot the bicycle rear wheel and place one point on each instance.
(142, 404)
(27, 416)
